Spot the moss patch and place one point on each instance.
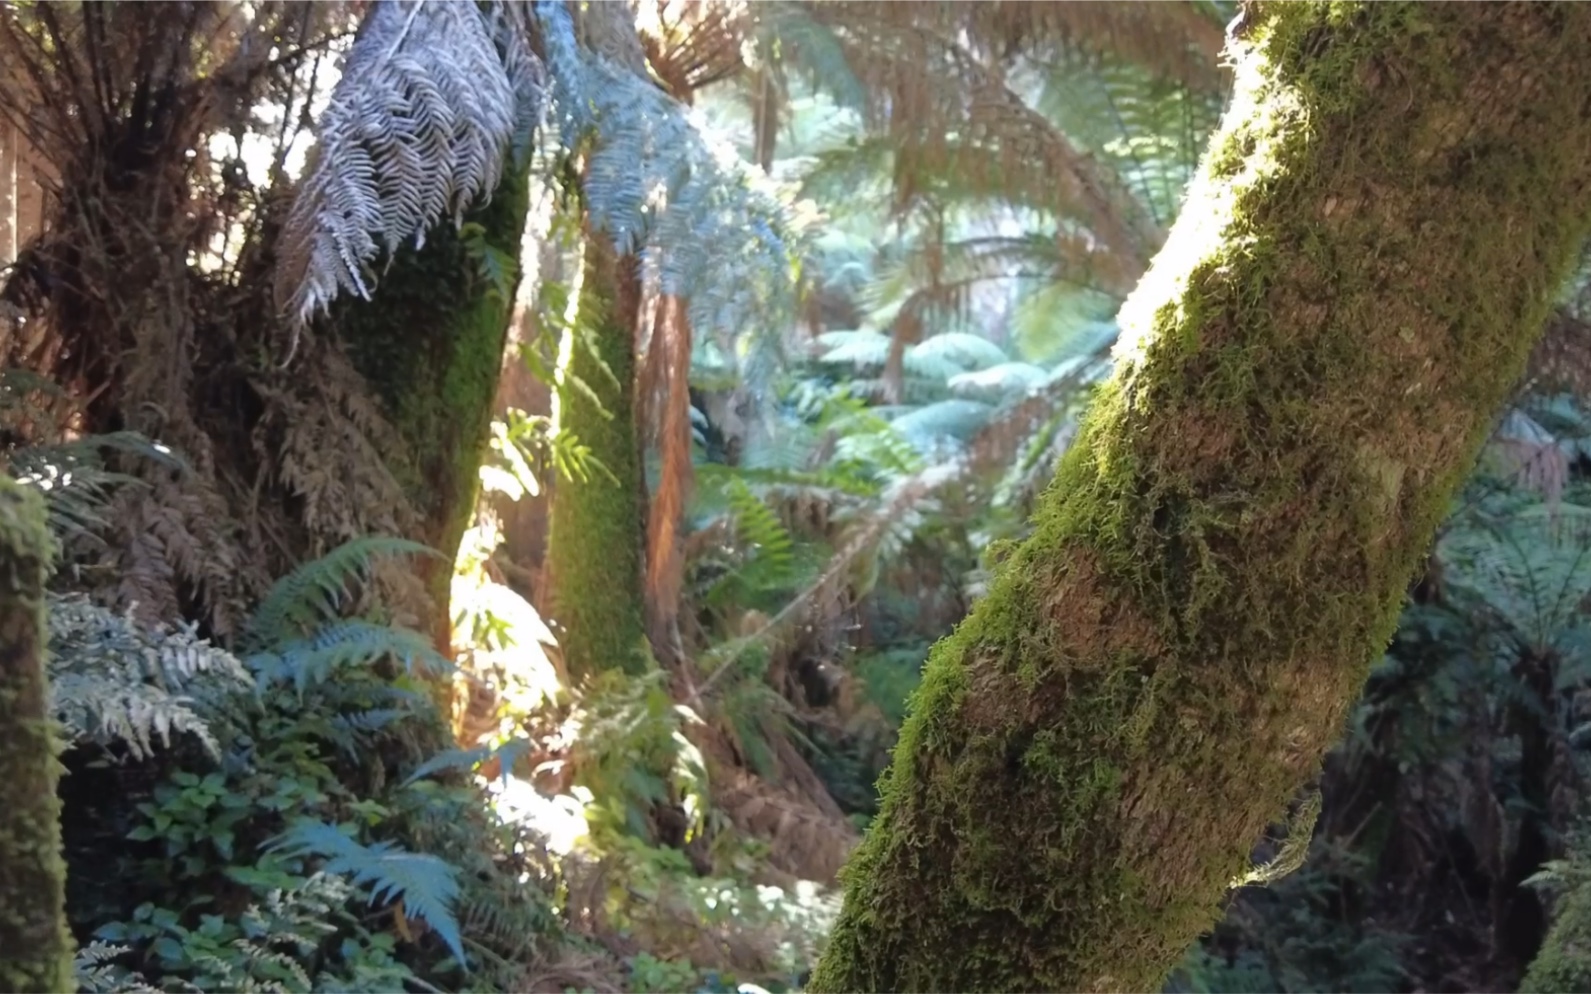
(431, 343)
(1306, 374)
(594, 547)
(35, 947)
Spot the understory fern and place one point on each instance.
(426, 885)
(115, 680)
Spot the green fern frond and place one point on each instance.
(508, 753)
(1529, 568)
(316, 591)
(427, 885)
(343, 645)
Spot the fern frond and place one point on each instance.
(97, 972)
(658, 186)
(432, 98)
(427, 885)
(316, 591)
(115, 680)
(339, 645)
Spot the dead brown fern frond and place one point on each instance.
(693, 43)
(804, 840)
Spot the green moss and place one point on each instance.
(35, 947)
(594, 546)
(1564, 962)
(1307, 373)
(431, 343)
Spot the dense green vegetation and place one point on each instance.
(366, 679)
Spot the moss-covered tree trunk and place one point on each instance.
(1564, 961)
(431, 343)
(594, 548)
(1306, 374)
(35, 947)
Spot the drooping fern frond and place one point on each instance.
(315, 591)
(95, 968)
(1527, 570)
(75, 481)
(114, 680)
(432, 100)
(659, 187)
(311, 661)
(427, 885)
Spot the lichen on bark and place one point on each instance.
(35, 946)
(1306, 374)
(594, 546)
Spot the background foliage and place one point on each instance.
(882, 249)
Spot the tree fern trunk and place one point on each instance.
(35, 947)
(1306, 374)
(594, 549)
(431, 342)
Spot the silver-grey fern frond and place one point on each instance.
(655, 184)
(114, 680)
(433, 98)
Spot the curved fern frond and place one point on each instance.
(658, 186)
(432, 99)
(427, 885)
(115, 680)
(345, 644)
(315, 591)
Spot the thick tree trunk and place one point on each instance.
(35, 947)
(594, 549)
(1306, 374)
(431, 343)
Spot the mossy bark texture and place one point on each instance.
(431, 343)
(35, 946)
(1564, 962)
(594, 548)
(1306, 374)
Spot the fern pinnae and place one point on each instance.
(427, 885)
(433, 99)
(312, 593)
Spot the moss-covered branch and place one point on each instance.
(35, 947)
(594, 548)
(1306, 374)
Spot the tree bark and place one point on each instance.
(594, 549)
(431, 343)
(35, 946)
(1306, 374)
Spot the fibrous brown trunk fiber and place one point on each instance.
(1305, 376)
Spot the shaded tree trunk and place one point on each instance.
(35, 947)
(1306, 374)
(594, 548)
(431, 343)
